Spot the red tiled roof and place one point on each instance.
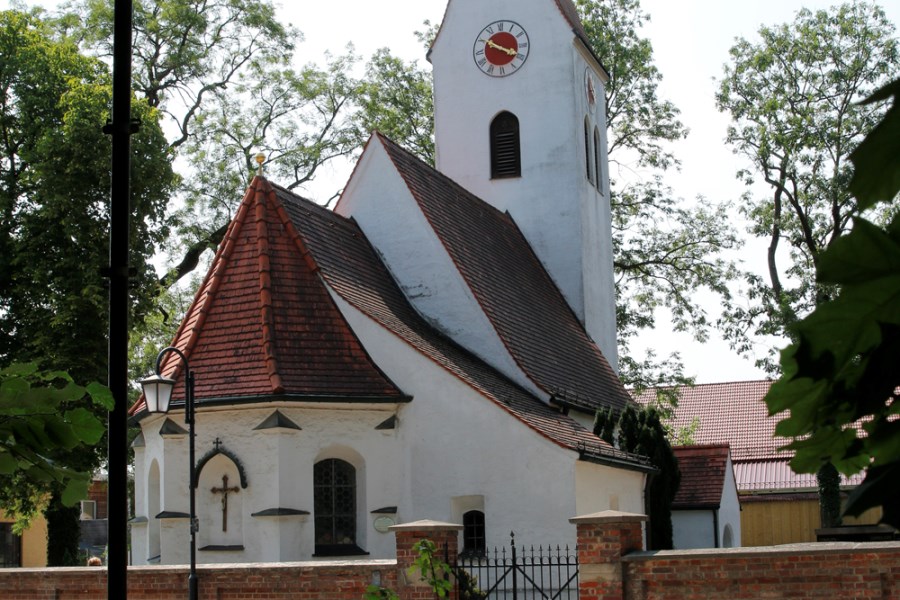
(264, 324)
(734, 413)
(351, 266)
(703, 470)
(728, 413)
(525, 307)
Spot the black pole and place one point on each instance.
(195, 525)
(120, 215)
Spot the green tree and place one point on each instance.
(221, 73)
(839, 388)
(54, 202)
(793, 97)
(640, 431)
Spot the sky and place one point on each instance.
(690, 39)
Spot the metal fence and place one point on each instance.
(518, 574)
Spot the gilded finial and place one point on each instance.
(260, 159)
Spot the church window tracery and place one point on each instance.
(506, 156)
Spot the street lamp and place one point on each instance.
(157, 395)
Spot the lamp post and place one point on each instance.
(157, 395)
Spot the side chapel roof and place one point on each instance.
(516, 293)
(262, 323)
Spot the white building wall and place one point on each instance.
(693, 529)
(730, 509)
(458, 443)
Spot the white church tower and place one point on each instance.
(520, 121)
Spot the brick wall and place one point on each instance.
(331, 580)
(612, 567)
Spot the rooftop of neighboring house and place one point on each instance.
(734, 413)
(703, 476)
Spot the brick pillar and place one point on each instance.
(603, 539)
(407, 535)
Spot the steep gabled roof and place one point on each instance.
(264, 325)
(703, 470)
(525, 307)
(351, 266)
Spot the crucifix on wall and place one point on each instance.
(225, 490)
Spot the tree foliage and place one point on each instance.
(42, 418)
(664, 249)
(54, 200)
(839, 388)
(54, 214)
(641, 431)
(793, 97)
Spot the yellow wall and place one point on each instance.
(34, 542)
(787, 522)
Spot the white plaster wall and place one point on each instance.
(385, 210)
(730, 508)
(601, 487)
(693, 529)
(458, 443)
(279, 467)
(552, 202)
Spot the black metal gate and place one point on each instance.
(518, 574)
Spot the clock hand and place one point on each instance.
(497, 46)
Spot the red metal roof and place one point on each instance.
(527, 310)
(263, 323)
(703, 470)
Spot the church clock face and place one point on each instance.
(501, 48)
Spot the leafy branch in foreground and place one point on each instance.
(42, 413)
(840, 383)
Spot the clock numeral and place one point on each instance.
(523, 45)
(489, 29)
(479, 52)
(500, 26)
(520, 34)
(482, 62)
(490, 70)
(502, 71)
(519, 56)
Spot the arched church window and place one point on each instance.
(334, 490)
(473, 533)
(598, 172)
(587, 149)
(506, 158)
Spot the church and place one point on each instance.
(433, 348)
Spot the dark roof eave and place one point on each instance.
(298, 398)
(616, 458)
(696, 506)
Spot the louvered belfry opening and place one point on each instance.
(505, 153)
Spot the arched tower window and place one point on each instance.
(334, 490)
(598, 172)
(473, 533)
(506, 160)
(587, 149)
